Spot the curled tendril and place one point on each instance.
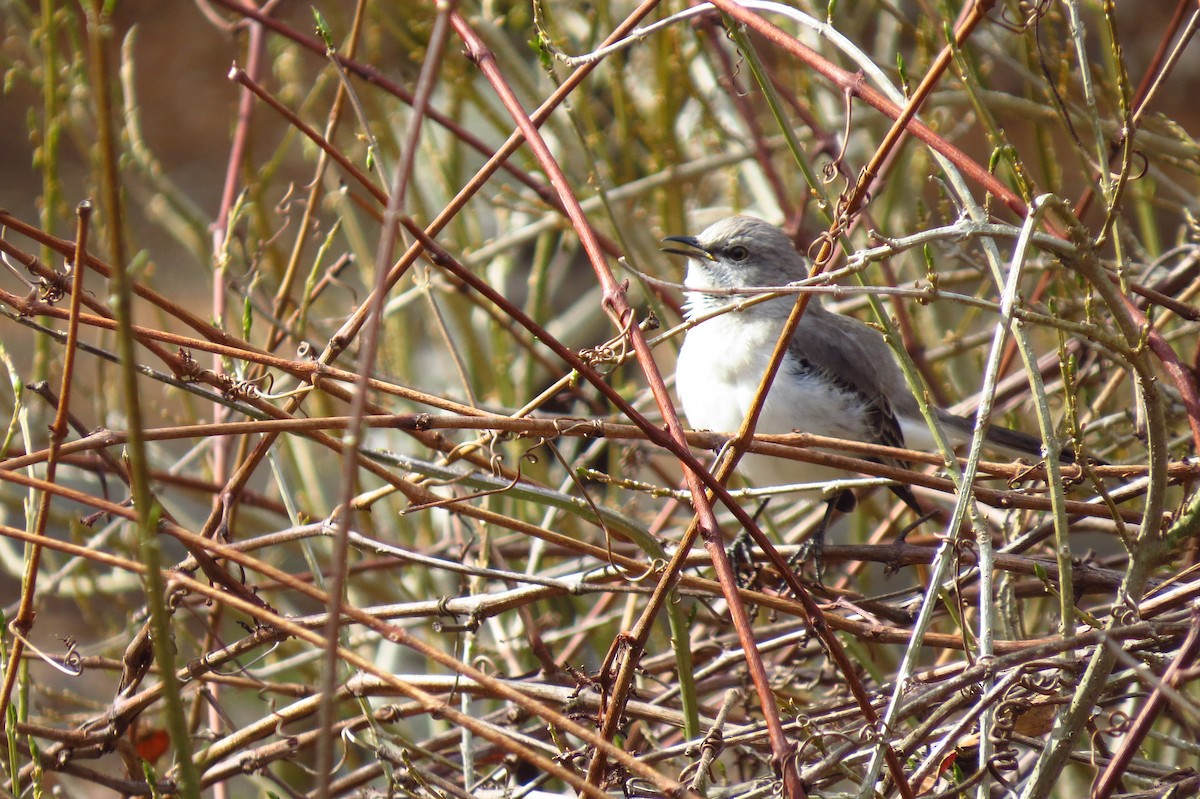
(1145, 165)
(1127, 613)
(496, 457)
(1115, 724)
(640, 788)
(283, 205)
(280, 722)
(611, 353)
(1033, 12)
(230, 388)
(486, 664)
(245, 389)
(1014, 703)
(351, 739)
(829, 172)
(824, 242)
(292, 741)
(176, 597)
(53, 289)
(71, 658)
(293, 745)
(468, 626)
(495, 460)
(1042, 684)
(688, 772)
(189, 369)
(971, 691)
(443, 607)
(70, 664)
(530, 454)
(1006, 719)
(966, 547)
(602, 357)
(1003, 761)
(872, 733)
(655, 567)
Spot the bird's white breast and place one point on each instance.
(720, 366)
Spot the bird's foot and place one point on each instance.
(741, 558)
(813, 550)
(903, 534)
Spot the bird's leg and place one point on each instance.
(905, 493)
(762, 507)
(924, 517)
(842, 502)
(741, 552)
(741, 558)
(910, 499)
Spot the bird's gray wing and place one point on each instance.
(855, 356)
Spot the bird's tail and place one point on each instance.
(1011, 442)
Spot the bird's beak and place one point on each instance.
(695, 251)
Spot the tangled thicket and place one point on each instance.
(341, 460)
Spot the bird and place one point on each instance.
(839, 378)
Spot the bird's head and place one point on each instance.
(736, 253)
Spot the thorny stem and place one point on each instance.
(389, 235)
(22, 622)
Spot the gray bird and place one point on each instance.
(838, 378)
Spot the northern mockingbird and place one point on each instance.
(838, 378)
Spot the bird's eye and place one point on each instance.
(738, 253)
